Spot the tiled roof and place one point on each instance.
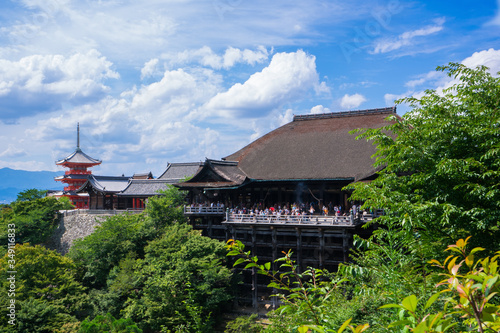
(146, 175)
(107, 184)
(78, 157)
(145, 187)
(178, 171)
(59, 178)
(217, 174)
(316, 146)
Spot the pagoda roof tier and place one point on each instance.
(69, 193)
(71, 177)
(78, 157)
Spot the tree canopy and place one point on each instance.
(441, 166)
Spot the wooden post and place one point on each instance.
(274, 244)
(299, 248)
(345, 244)
(321, 247)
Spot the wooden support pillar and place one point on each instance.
(274, 244)
(345, 244)
(255, 287)
(321, 247)
(298, 233)
(210, 231)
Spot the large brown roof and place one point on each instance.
(316, 146)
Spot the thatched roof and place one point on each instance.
(316, 146)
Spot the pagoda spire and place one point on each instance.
(78, 135)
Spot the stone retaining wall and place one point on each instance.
(73, 227)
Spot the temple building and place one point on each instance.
(308, 160)
(78, 164)
(286, 191)
(132, 193)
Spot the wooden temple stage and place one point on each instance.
(315, 240)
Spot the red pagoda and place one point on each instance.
(78, 163)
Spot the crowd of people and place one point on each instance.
(295, 209)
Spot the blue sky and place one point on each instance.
(152, 82)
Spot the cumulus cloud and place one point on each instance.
(352, 101)
(43, 82)
(406, 38)
(287, 78)
(149, 122)
(205, 56)
(489, 58)
(319, 109)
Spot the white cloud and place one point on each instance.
(319, 109)
(440, 81)
(287, 78)
(42, 82)
(13, 152)
(406, 38)
(496, 19)
(390, 98)
(148, 124)
(489, 58)
(352, 101)
(205, 56)
(79, 74)
(149, 69)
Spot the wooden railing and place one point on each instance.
(97, 212)
(299, 219)
(193, 210)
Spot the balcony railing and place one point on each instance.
(203, 210)
(78, 172)
(350, 220)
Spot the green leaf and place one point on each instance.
(239, 261)
(303, 329)
(386, 306)
(431, 300)
(399, 323)
(344, 325)
(410, 303)
(267, 265)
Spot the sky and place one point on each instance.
(154, 82)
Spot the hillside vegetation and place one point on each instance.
(430, 266)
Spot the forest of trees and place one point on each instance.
(430, 266)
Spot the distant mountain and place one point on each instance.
(14, 181)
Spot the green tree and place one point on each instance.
(46, 292)
(441, 168)
(117, 236)
(109, 324)
(30, 194)
(181, 282)
(167, 207)
(34, 220)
